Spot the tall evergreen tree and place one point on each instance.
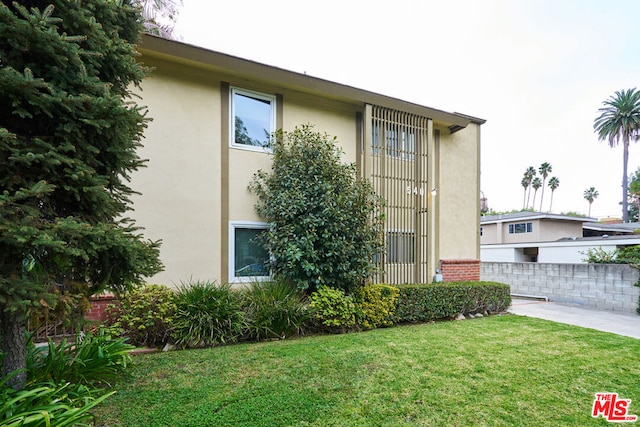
(545, 169)
(554, 183)
(535, 184)
(69, 131)
(619, 120)
(590, 194)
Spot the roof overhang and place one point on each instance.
(194, 56)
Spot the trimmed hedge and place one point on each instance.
(437, 301)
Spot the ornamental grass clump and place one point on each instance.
(92, 360)
(207, 314)
(274, 310)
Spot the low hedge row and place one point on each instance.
(438, 301)
(206, 313)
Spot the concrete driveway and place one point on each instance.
(607, 321)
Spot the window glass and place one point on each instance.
(523, 227)
(250, 257)
(400, 247)
(253, 118)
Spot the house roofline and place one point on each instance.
(523, 216)
(175, 51)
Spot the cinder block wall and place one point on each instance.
(600, 286)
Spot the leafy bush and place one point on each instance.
(376, 305)
(91, 361)
(332, 310)
(600, 256)
(46, 404)
(423, 303)
(274, 310)
(326, 222)
(207, 314)
(144, 316)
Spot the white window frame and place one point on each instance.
(233, 225)
(528, 227)
(232, 117)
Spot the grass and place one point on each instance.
(495, 371)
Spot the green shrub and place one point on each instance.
(144, 316)
(331, 310)
(423, 303)
(376, 305)
(274, 310)
(207, 314)
(326, 221)
(46, 404)
(91, 361)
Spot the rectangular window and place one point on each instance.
(523, 227)
(252, 119)
(248, 259)
(400, 247)
(400, 144)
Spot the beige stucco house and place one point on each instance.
(550, 238)
(211, 114)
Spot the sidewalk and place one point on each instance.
(607, 321)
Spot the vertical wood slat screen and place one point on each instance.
(398, 173)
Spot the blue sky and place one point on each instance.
(536, 70)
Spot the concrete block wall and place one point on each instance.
(600, 286)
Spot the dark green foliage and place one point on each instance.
(325, 222)
(68, 138)
(92, 361)
(207, 314)
(144, 316)
(438, 301)
(273, 310)
(331, 310)
(46, 404)
(376, 305)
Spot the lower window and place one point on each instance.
(400, 247)
(248, 259)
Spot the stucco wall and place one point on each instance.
(457, 201)
(181, 184)
(600, 286)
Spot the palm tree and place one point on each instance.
(620, 120)
(536, 184)
(590, 194)
(525, 184)
(160, 16)
(545, 170)
(554, 183)
(529, 174)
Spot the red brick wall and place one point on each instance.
(99, 304)
(456, 270)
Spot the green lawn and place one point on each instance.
(495, 371)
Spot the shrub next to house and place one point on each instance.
(436, 301)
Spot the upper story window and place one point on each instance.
(253, 119)
(400, 143)
(523, 227)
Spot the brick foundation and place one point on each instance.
(98, 310)
(457, 270)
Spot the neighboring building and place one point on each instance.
(211, 116)
(549, 238)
